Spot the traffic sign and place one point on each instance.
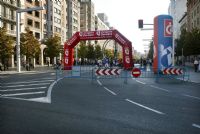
(136, 72)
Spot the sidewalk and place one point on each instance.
(23, 70)
(194, 76)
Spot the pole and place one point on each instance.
(18, 41)
(173, 45)
(182, 57)
(76, 55)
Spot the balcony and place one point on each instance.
(7, 17)
(15, 5)
(11, 33)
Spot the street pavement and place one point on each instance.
(101, 106)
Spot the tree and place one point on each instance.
(82, 51)
(150, 53)
(109, 53)
(29, 45)
(6, 46)
(98, 52)
(53, 46)
(90, 52)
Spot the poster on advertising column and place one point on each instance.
(163, 39)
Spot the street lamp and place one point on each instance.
(18, 17)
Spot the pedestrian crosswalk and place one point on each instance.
(26, 90)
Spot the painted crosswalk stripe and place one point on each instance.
(38, 84)
(18, 94)
(20, 89)
(34, 81)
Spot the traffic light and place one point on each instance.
(140, 23)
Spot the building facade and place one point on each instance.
(193, 14)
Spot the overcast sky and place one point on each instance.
(124, 15)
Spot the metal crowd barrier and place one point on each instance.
(90, 72)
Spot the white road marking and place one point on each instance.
(53, 74)
(195, 125)
(99, 82)
(29, 93)
(194, 97)
(19, 89)
(50, 90)
(113, 93)
(140, 82)
(159, 88)
(32, 99)
(28, 85)
(153, 110)
(34, 81)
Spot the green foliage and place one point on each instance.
(109, 53)
(150, 53)
(98, 52)
(6, 45)
(29, 45)
(90, 53)
(53, 46)
(82, 50)
(189, 41)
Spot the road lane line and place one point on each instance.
(194, 97)
(26, 82)
(28, 85)
(113, 93)
(153, 110)
(159, 88)
(140, 82)
(195, 125)
(50, 90)
(99, 82)
(20, 89)
(18, 94)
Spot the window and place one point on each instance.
(45, 26)
(37, 25)
(45, 16)
(4, 11)
(30, 1)
(11, 27)
(37, 3)
(30, 22)
(37, 14)
(37, 35)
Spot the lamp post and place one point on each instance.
(18, 17)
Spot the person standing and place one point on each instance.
(196, 64)
(199, 65)
(1, 66)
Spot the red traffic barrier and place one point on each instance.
(108, 71)
(175, 71)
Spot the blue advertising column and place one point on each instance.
(163, 39)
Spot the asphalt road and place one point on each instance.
(106, 106)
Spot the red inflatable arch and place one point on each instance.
(98, 35)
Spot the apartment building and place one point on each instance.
(105, 44)
(73, 17)
(193, 14)
(103, 17)
(8, 20)
(177, 9)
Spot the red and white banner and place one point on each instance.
(175, 71)
(107, 71)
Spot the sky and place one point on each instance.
(123, 15)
